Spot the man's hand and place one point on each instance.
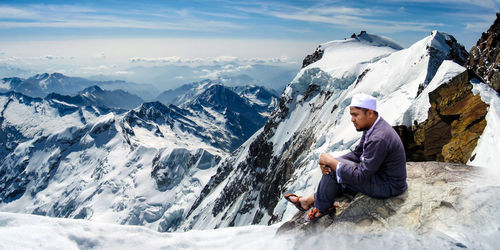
(325, 169)
(327, 163)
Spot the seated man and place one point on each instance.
(376, 167)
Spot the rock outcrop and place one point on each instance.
(455, 122)
(484, 57)
(314, 57)
(433, 195)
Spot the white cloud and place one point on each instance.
(479, 26)
(219, 60)
(52, 57)
(224, 70)
(488, 4)
(373, 19)
(74, 16)
(100, 56)
(8, 12)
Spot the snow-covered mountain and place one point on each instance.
(64, 160)
(41, 85)
(259, 97)
(313, 117)
(111, 98)
(263, 99)
(71, 156)
(241, 110)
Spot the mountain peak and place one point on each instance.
(41, 76)
(57, 75)
(376, 40)
(93, 89)
(446, 45)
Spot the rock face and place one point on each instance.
(434, 191)
(314, 57)
(485, 58)
(455, 122)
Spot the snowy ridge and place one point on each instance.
(142, 167)
(376, 40)
(75, 157)
(313, 117)
(238, 112)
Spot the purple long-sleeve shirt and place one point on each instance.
(378, 159)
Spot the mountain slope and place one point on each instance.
(62, 158)
(239, 112)
(72, 156)
(312, 117)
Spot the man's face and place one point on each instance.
(360, 119)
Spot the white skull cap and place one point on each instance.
(364, 101)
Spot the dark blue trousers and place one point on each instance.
(329, 190)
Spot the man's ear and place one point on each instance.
(371, 113)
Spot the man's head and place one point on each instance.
(363, 110)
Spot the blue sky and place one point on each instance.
(56, 34)
(404, 21)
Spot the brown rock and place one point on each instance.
(455, 122)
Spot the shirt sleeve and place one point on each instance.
(357, 173)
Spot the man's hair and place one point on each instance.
(366, 110)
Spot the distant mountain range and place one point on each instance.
(41, 85)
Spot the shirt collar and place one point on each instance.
(371, 129)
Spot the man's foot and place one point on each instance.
(298, 201)
(315, 214)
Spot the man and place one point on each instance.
(376, 167)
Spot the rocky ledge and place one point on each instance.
(434, 191)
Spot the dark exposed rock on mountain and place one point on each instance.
(260, 170)
(455, 122)
(485, 56)
(456, 52)
(434, 195)
(169, 169)
(314, 57)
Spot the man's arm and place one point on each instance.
(374, 154)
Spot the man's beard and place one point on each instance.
(362, 129)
